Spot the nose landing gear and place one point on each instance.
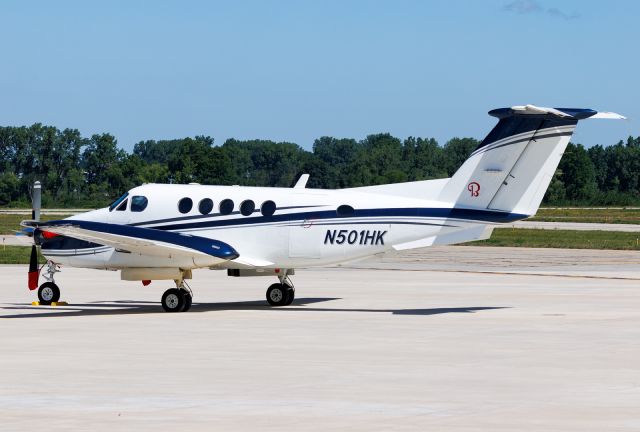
(49, 292)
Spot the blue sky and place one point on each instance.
(297, 70)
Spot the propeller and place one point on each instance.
(36, 202)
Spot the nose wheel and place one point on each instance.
(48, 293)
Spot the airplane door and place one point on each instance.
(305, 241)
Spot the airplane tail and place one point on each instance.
(512, 167)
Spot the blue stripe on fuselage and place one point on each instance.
(471, 215)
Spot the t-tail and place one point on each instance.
(512, 167)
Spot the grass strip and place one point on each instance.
(9, 223)
(565, 239)
(587, 215)
(17, 255)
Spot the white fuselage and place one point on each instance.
(306, 230)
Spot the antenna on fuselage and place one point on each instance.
(302, 182)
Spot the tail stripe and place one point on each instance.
(550, 135)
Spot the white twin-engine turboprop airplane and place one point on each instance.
(164, 231)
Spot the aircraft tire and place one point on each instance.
(277, 294)
(291, 294)
(187, 302)
(173, 300)
(48, 293)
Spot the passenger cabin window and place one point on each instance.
(268, 208)
(118, 201)
(122, 206)
(226, 206)
(205, 206)
(247, 207)
(138, 203)
(185, 205)
(345, 210)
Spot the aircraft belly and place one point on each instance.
(120, 259)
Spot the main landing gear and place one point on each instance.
(281, 293)
(177, 299)
(49, 292)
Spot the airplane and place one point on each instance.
(165, 231)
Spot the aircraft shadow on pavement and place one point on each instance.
(132, 307)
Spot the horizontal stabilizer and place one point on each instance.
(478, 232)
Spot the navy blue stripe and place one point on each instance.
(181, 218)
(444, 213)
(536, 137)
(379, 222)
(515, 125)
(207, 246)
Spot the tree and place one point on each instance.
(578, 174)
(456, 151)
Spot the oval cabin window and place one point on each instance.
(226, 206)
(268, 208)
(185, 205)
(205, 206)
(247, 207)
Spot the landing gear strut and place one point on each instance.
(281, 293)
(177, 299)
(49, 292)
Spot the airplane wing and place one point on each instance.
(146, 241)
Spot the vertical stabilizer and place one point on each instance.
(512, 167)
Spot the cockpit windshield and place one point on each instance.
(118, 201)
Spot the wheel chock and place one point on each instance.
(60, 303)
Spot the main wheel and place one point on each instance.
(187, 301)
(48, 293)
(278, 294)
(291, 293)
(173, 300)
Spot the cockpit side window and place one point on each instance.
(118, 201)
(122, 206)
(139, 203)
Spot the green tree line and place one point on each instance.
(91, 171)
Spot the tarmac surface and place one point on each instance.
(447, 338)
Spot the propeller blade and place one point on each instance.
(26, 231)
(36, 201)
(33, 268)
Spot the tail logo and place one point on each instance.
(474, 188)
